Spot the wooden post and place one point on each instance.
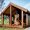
(26, 19)
(2, 19)
(10, 16)
(22, 18)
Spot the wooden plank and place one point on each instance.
(26, 19)
(22, 17)
(10, 16)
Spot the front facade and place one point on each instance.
(17, 16)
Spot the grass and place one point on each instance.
(6, 21)
(10, 29)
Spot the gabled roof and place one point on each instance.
(19, 7)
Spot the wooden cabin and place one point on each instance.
(18, 16)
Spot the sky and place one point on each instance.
(22, 3)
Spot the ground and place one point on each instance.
(14, 28)
(10, 29)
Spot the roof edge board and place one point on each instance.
(5, 8)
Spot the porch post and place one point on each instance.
(10, 16)
(2, 19)
(22, 17)
(26, 19)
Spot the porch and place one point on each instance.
(16, 17)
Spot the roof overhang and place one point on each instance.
(19, 7)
